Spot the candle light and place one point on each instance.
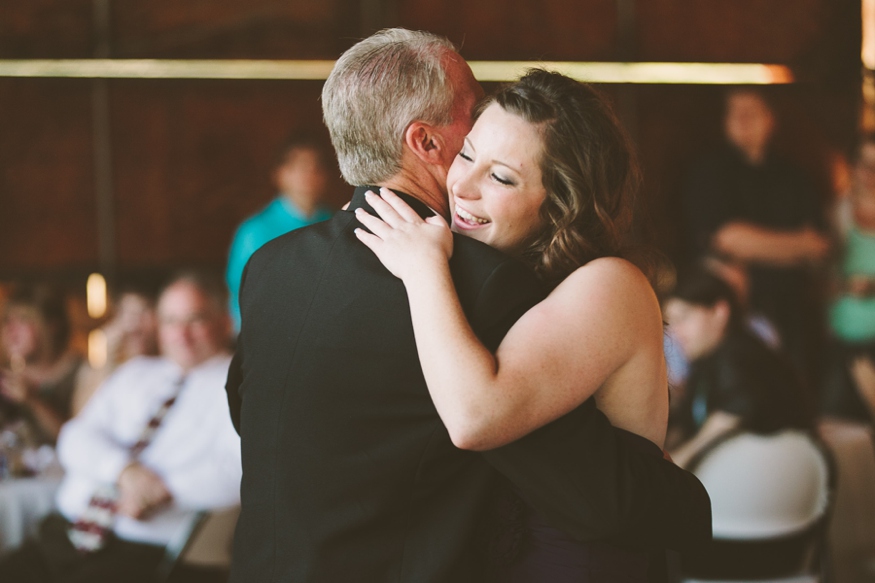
(97, 348)
(95, 294)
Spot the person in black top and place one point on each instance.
(348, 472)
(735, 380)
(750, 206)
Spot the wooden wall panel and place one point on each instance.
(740, 30)
(47, 209)
(222, 29)
(519, 29)
(194, 158)
(45, 29)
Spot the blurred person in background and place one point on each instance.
(39, 370)
(301, 177)
(746, 204)
(736, 276)
(848, 390)
(735, 380)
(152, 447)
(132, 331)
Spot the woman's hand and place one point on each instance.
(405, 243)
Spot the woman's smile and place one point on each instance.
(465, 220)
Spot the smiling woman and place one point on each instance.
(546, 174)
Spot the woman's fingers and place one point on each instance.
(371, 241)
(385, 210)
(437, 221)
(374, 224)
(402, 208)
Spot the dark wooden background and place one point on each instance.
(190, 159)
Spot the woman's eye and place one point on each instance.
(464, 156)
(501, 180)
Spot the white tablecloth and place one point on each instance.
(23, 503)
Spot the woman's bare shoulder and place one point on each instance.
(611, 279)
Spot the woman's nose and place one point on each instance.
(465, 187)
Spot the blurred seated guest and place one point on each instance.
(301, 177)
(735, 379)
(154, 445)
(39, 371)
(736, 276)
(745, 203)
(852, 313)
(132, 331)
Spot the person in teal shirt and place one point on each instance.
(301, 176)
(852, 313)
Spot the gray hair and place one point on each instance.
(376, 90)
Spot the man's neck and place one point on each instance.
(423, 188)
(753, 155)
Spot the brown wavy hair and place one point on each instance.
(589, 169)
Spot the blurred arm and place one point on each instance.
(86, 444)
(753, 243)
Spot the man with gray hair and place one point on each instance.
(349, 474)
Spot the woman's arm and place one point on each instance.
(554, 358)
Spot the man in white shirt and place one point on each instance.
(191, 461)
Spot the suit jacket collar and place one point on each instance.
(358, 201)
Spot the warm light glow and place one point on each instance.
(650, 73)
(593, 72)
(95, 295)
(167, 69)
(868, 51)
(97, 348)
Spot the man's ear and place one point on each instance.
(424, 142)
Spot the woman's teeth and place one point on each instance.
(468, 217)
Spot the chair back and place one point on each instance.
(771, 496)
(765, 486)
(210, 545)
(204, 543)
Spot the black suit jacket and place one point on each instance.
(348, 472)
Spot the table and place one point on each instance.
(23, 504)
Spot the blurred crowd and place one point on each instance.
(134, 445)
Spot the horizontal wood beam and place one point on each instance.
(318, 70)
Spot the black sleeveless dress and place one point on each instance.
(524, 548)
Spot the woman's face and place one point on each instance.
(21, 333)
(697, 329)
(495, 183)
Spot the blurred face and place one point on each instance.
(21, 334)
(697, 329)
(749, 121)
(467, 93)
(303, 175)
(191, 327)
(138, 323)
(495, 184)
